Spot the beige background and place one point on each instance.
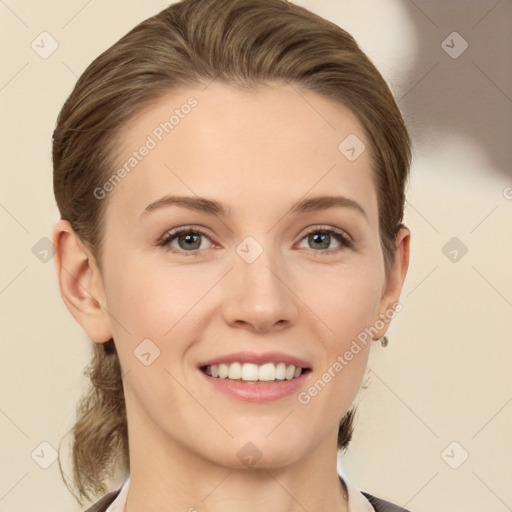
(445, 376)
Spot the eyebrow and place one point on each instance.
(211, 207)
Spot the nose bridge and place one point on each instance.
(258, 293)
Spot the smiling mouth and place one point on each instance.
(250, 372)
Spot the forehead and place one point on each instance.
(248, 148)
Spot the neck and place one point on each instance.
(166, 475)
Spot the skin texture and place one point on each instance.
(258, 152)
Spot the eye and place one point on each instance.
(322, 237)
(188, 240)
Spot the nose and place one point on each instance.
(259, 295)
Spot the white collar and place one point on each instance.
(118, 505)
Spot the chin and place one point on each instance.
(257, 452)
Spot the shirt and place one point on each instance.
(356, 500)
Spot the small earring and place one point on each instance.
(366, 379)
(384, 341)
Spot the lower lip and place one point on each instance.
(257, 391)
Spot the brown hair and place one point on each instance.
(193, 42)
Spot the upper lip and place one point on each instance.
(259, 359)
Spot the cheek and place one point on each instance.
(347, 306)
(148, 299)
(164, 305)
(347, 302)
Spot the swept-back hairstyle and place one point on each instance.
(238, 42)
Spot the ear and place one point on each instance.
(81, 283)
(393, 287)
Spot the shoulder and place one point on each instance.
(104, 502)
(381, 505)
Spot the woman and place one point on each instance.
(230, 177)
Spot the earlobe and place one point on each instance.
(393, 287)
(80, 283)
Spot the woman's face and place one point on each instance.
(260, 278)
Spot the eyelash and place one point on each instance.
(339, 235)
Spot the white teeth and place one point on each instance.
(249, 372)
(280, 371)
(235, 371)
(267, 372)
(253, 372)
(223, 370)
